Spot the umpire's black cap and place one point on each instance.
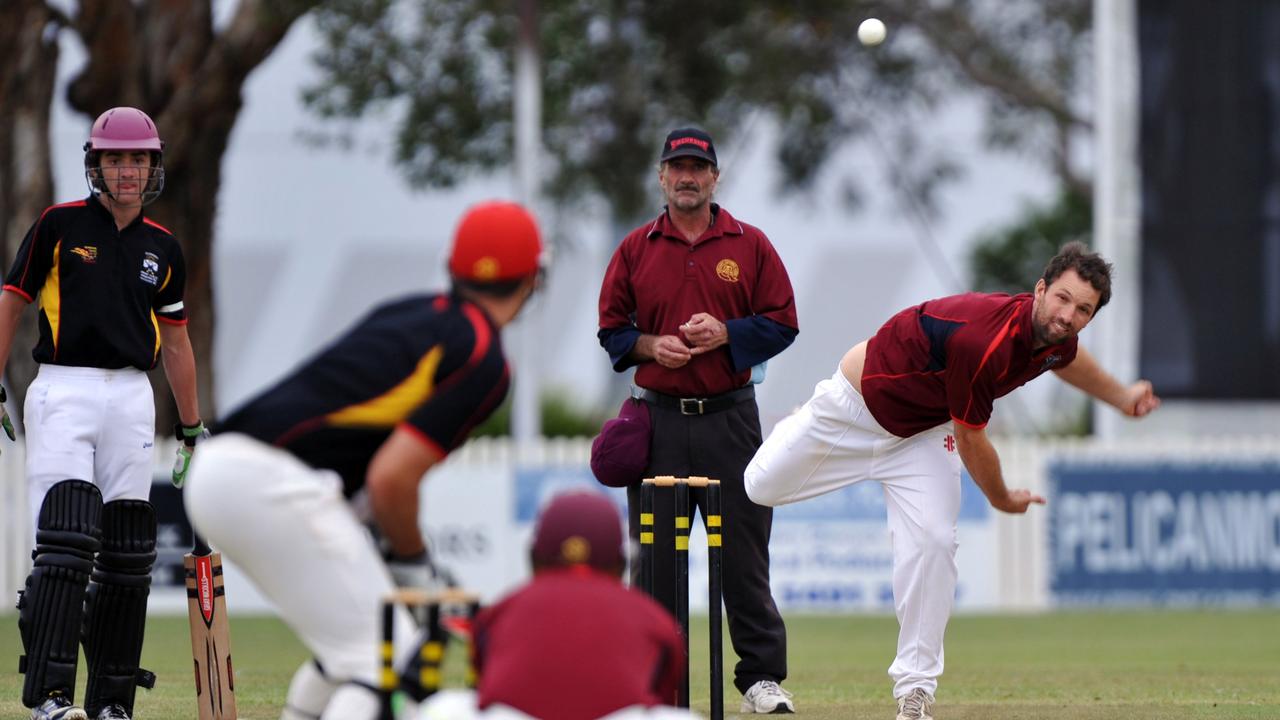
(689, 142)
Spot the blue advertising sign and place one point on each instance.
(1164, 534)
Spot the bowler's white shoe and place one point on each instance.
(915, 705)
(767, 698)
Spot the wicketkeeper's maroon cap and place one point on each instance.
(579, 527)
(620, 453)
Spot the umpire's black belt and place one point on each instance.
(697, 406)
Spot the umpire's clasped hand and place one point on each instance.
(4, 416)
(187, 436)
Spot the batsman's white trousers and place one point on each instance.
(289, 528)
(89, 424)
(832, 442)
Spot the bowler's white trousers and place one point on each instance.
(89, 424)
(289, 528)
(832, 442)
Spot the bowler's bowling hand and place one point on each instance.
(1141, 399)
(4, 416)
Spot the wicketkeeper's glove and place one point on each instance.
(187, 436)
(5, 422)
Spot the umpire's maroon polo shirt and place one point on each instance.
(730, 271)
(950, 358)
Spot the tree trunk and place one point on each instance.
(189, 80)
(28, 64)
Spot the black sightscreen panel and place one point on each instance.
(1210, 154)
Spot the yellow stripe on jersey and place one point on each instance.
(394, 405)
(155, 333)
(51, 298)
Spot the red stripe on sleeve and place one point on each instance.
(967, 424)
(19, 291)
(422, 437)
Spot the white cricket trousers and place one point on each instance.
(89, 424)
(288, 527)
(832, 442)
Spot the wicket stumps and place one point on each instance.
(680, 487)
(424, 670)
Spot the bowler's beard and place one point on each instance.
(1043, 333)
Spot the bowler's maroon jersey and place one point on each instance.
(576, 644)
(950, 358)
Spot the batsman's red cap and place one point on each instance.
(495, 241)
(579, 527)
(620, 453)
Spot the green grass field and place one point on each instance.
(1132, 665)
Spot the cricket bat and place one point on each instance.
(210, 633)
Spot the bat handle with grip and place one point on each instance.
(201, 547)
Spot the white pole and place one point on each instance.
(526, 420)
(1117, 207)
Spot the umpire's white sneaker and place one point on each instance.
(915, 705)
(768, 698)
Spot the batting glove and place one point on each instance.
(187, 436)
(418, 572)
(5, 422)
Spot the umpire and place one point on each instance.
(697, 301)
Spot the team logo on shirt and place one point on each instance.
(150, 268)
(727, 270)
(1049, 362)
(87, 253)
(949, 442)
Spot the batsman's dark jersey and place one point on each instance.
(950, 358)
(430, 363)
(102, 290)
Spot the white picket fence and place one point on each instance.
(1020, 547)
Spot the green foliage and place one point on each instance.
(1012, 258)
(616, 76)
(560, 418)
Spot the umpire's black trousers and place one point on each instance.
(719, 446)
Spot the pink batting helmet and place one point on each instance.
(124, 128)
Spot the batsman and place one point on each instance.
(108, 283)
(365, 418)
